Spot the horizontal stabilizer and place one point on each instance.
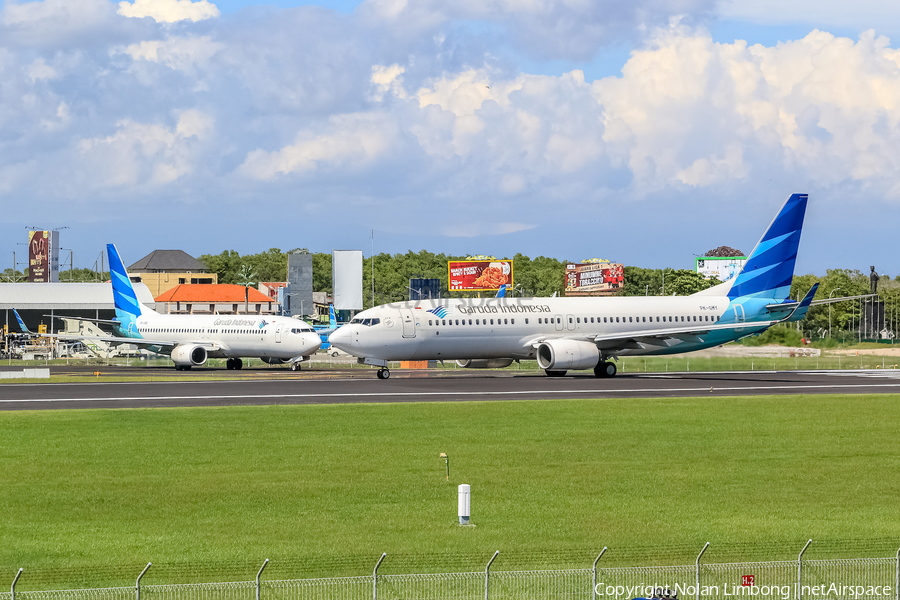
(801, 310)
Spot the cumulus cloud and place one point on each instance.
(169, 11)
(145, 153)
(55, 23)
(179, 53)
(349, 140)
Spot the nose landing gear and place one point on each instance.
(384, 373)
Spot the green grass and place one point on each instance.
(90, 496)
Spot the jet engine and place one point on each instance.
(562, 355)
(189, 355)
(484, 363)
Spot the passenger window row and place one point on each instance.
(558, 320)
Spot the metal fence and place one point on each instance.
(833, 579)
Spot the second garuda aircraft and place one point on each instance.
(589, 333)
(191, 339)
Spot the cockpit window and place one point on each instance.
(366, 322)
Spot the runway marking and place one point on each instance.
(474, 393)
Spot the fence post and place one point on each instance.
(19, 574)
(375, 577)
(137, 584)
(800, 571)
(594, 573)
(897, 582)
(697, 573)
(257, 576)
(487, 575)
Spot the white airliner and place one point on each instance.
(588, 333)
(191, 339)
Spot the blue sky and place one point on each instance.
(644, 132)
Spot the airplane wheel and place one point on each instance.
(384, 374)
(605, 369)
(238, 363)
(295, 366)
(229, 364)
(556, 373)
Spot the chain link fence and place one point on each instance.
(829, 579)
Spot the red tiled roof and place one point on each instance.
(220, 292)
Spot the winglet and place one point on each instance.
(801, 310)
(501, 293)
(21, 322)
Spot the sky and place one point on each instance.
(645, 132)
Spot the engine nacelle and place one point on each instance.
(562, 355)
(484, 363)
(189, 355)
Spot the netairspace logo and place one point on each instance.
(782, 592)
(440, 312)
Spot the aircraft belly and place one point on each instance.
(455, 344)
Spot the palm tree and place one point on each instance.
(246, 278)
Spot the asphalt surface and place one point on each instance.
(267, 386)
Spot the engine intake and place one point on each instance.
(562, 355)
(484, 363)
(189, 355)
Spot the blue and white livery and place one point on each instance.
(589, 333)
(192, 339)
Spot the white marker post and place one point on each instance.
(465, 498)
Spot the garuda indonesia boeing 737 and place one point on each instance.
(588, 333)
(191, 339)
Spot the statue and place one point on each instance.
(873, 281)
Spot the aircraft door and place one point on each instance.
(557, 319)
(409, 323)
(278, 334)
(738, 313)
(570, 322)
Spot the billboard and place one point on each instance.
(594, 278)
(299, 298)
(479, 275)
(43, 256)
(722, 268)
(347, 274)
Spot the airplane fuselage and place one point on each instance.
(227, 336)
(512, 327)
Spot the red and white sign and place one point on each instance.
(748, 580)
(587, 279)
(479, 275)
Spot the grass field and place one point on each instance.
(90, 496)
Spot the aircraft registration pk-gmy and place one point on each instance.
(191, 339)
(589, 333)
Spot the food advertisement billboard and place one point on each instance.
(479, 275)
(594, 279)
(43, 256)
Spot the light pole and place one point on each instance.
(829, 311)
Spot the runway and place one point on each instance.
(337, 387)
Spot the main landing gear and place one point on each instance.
(605, 369)
(384, 373)
(234, 363)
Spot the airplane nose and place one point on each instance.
(341, 339)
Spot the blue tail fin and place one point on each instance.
(769, 269)
(501, 293)
(332, 321)
(22, 327)
(124, 298)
